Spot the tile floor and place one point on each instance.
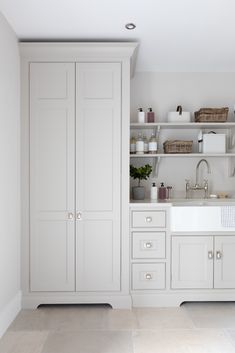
(192, 328)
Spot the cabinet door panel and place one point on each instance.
(98, 169)
(52, 181)
(97, 247)
(224, 262)
(98, 156)
(191, 266)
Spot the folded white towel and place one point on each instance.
(228, 216)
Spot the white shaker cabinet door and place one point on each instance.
(52, 176)
(224, 262)
(98, 170)
(192, 262)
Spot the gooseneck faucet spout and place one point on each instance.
(197, 170)
(197, 186)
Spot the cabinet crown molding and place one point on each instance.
(80, 51)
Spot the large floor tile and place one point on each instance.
(169, 318)
(30, 320)
(89, 342)
(181, 341)
(23, 342)
(231, 335)
(211, 315)
(121, 320)
(63, 317)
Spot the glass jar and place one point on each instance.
(132, 145)
(140, 144)
(153, 144)
(146, 144)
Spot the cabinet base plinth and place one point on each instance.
(116, 301)
(172, 299)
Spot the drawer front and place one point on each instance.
(148, 245)
(148, 276)
(148, 219)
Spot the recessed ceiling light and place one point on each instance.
(130, 26)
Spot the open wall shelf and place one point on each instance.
(227, 125)
(187, 155)
(158, 126)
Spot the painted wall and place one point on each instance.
(9, 175)
(163, 92)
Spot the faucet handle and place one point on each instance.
(206, 188)
(187, 187)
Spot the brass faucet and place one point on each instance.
(197, 186)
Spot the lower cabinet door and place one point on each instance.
(192, 262)
(98, 255)
(224, 262)
(52, 255)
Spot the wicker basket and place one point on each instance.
(211, 115)
(178, 146)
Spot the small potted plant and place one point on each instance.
(141, 173)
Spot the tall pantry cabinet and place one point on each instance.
(75, 116)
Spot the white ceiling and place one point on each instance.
(174, 35)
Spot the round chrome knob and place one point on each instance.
(148, 245)
(148, 219)
(79, 216)
(148, 276)
(210, 255)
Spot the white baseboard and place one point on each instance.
(8, 314)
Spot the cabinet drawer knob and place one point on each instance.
(148, 219)
(148, 245)
(70, 215)
(148, 276)
(210, 255)
(218, 255)
(79, 216)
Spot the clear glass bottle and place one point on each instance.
(132, 145)
(153, 144)
(146, 144)
(140, 144)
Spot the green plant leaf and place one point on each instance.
(141, 173)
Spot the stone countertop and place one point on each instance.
(184, 202)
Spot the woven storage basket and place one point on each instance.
(178, 146)
(211, 115)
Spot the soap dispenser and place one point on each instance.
(153, 192)
(141, 116)
(150, 116)
(162, 192)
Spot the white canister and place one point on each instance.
(214, 143)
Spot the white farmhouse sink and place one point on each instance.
(198, 218)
